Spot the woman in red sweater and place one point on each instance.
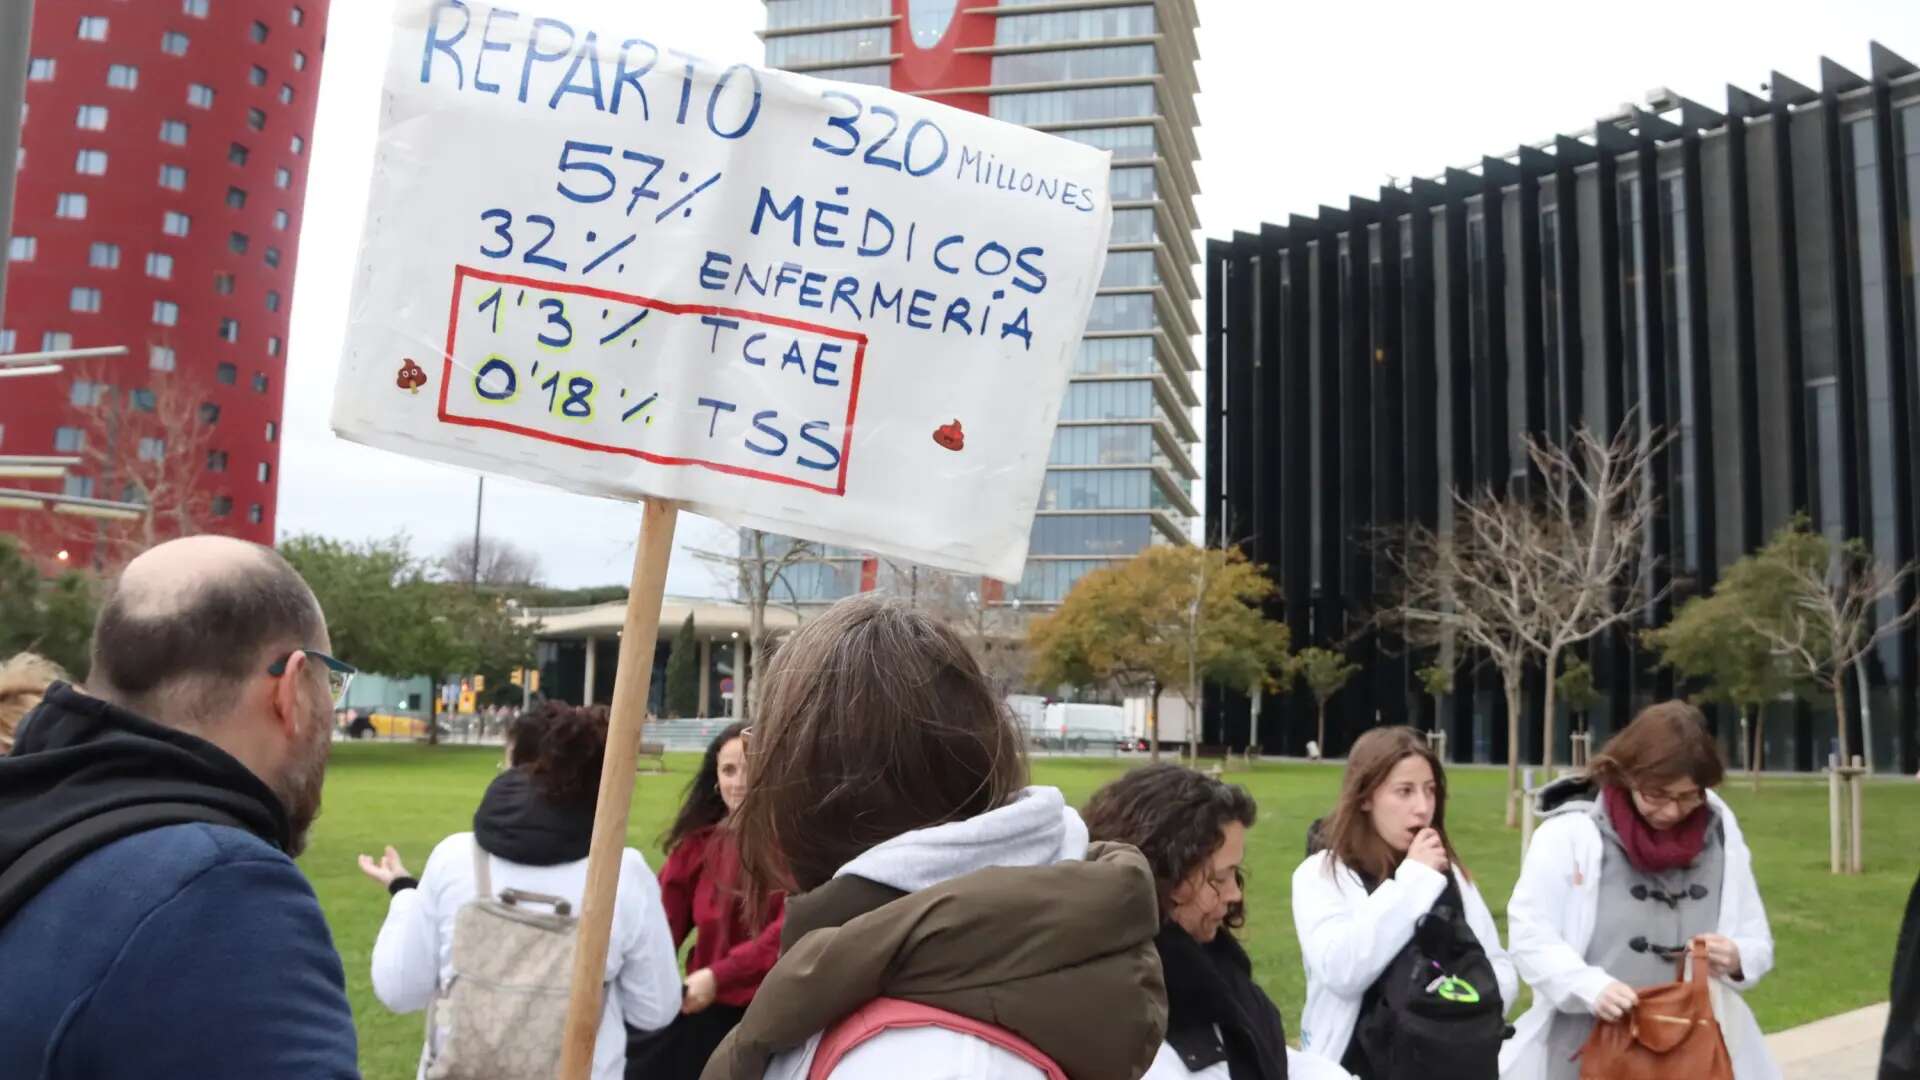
(699, 886)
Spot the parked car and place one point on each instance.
(354, 723)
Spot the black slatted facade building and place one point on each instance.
(1744, 277)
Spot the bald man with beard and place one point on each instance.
(152, 920)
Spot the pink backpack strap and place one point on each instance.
(885, 1014)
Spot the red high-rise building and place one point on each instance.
(164, 153)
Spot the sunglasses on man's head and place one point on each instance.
(339, 673)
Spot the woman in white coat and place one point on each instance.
(1635, 859)
(533, 828)
(1356, 905)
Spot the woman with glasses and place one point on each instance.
(530, 835)
(1193, 830)
(1387, 885)
(1636, 859)
(700, 886)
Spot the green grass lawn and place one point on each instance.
(1834, 935)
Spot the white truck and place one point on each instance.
(1076, 726)
(1030, 712)
(1173, 720)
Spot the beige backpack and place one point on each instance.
(503, 1013)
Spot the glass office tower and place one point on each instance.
(1118, 76)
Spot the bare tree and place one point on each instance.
(758, 574)
(151, 446)
(501, 562)
(1524, 576)
(1814, 601)
(1467, 586)
(975, 608)
(1595, 503)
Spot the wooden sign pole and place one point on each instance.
(630, 685)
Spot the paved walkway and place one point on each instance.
(1844, 1047)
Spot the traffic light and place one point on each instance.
(518, 677)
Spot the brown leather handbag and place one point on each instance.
(1670, 1035)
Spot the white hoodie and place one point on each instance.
(1300, 1066)
(1037, 828)
(1348, 936)
(413, 956)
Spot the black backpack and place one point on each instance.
(1435, 1013)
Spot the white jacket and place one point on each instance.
(414, 952)
(1347, 938)
(1038, 828)
(1550, 921)
(1300, 1066)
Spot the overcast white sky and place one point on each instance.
(1301, 103)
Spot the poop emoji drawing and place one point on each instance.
(411, 378)
(950, 436)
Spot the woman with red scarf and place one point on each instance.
(1636, 859)
(699, 887)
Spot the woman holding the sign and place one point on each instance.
(887, 795)
(700, 889)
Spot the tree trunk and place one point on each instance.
(1193, 707)
(1320, 716)
(1153, 721)
(1866, 713)
(1840, 716)
(1757, 716)
(756, 589)
(433, 712)
(1546, 724)
(1510, 682)
(757, 667)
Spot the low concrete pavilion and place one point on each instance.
(579, 650)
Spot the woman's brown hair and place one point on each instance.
(702, 805)
(1177, 818)
(563, 748)
(1667, 741)
(875, 721)
(1349, 833)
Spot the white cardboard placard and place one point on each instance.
(827, 310)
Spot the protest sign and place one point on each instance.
(826, 310)
(831, 311)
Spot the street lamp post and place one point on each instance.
(479, 500)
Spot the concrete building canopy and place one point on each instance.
(713, 619)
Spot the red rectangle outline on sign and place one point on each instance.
(460, 275)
